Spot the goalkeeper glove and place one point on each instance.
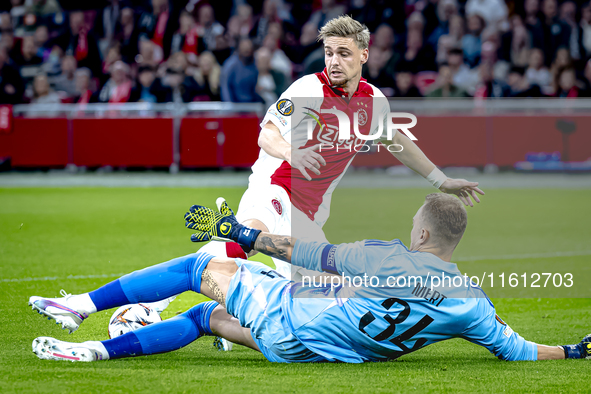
(219, 226)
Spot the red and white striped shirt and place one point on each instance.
(300, 108)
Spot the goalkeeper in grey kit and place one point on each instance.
(254, 306)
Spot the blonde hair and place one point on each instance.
(345, 26)
(214, 75)
(447, 216)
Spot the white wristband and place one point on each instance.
(436, 177)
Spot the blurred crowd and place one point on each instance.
(250, 51)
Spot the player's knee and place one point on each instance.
(200, 315)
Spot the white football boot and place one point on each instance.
(47, 348)
(59, 309)
(222, 344)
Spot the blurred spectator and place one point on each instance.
(445, 10)
(185, 38)
(241, 75)
(445, 86)
(106, 24)
(537, 73)
(330, 10)
(566, 83)
(405, 86)
(416, 21)
(142, 91)
(154, 25)
(5, 21)
(520, 86)
(127, 34)
(113, 55)
(562, 60)
(586, 30)
(418, 56)
(384, 40)
(17, 14)
(149, 53)
(568, 10)
(307, 44)
(471, 43)
(532, 12)
(279, 60)
(83, 91)
(41, 40)
(430, 14)
(494, 12)
(261, 26)
(209, 29)
(66, 81)
(489, 53)
(207, 77)
(516, 43)
(11, 85)
(586, 79)
(445, 44)
(556, 33)
(456, 29)
(270, 83)
(177, 86)
(27, 60)
(118, 88)
(489, 86)
(42, 92)
(461, 35)
(463, 76)
(375, 72)
(80, 43)
(239, 25)
(43, 10)
(312, 51)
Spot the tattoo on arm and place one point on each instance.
(279, 246)
(218, 295)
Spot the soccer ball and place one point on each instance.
(131, 317)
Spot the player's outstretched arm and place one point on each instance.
(223, 225)
(279, 246)
(412, 157)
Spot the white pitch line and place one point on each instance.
(525, 256)
(61, 278)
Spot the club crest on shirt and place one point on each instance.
(277, 206)
(285, 107)
(362, 117)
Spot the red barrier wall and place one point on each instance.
(232, 141)
(501, 140)
(128, 142)
(6, 144)
(219, 142)
(39, 142)
(514, 136)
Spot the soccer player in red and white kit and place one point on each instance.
(296, 173)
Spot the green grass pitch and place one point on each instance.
(79, 238)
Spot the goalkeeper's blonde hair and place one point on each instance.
(345, 26)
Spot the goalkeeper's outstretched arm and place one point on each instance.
(278, 246)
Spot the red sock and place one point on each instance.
(233, 250)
